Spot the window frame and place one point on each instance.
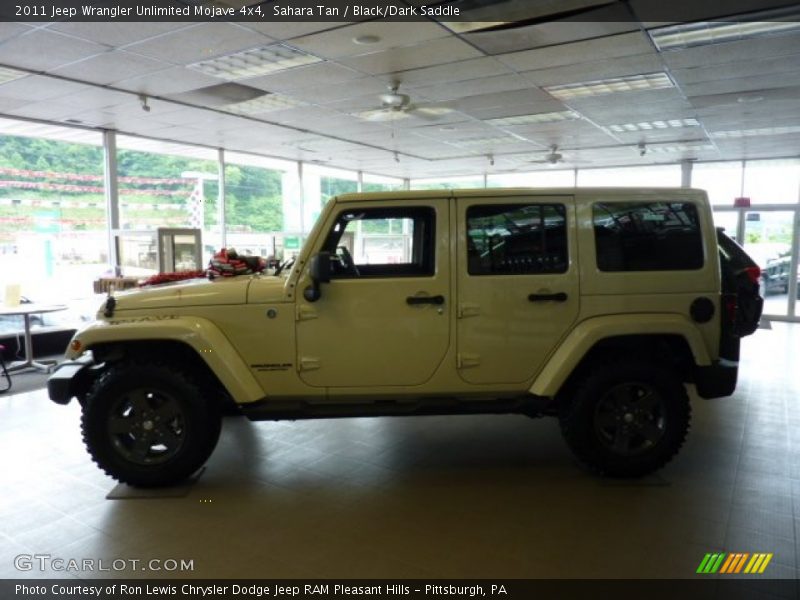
(507, 207)
(423, 238)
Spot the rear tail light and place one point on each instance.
(753, 273)
(730, 309)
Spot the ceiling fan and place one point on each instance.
(395, 105)
(554, 157)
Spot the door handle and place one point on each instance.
(557, 297)
(414, 300)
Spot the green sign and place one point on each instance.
(291, 242)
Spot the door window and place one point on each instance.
(516, 239)
(383, 242)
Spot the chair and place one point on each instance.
(5, 371)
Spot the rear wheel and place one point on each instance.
(148, 424)
(627, 419)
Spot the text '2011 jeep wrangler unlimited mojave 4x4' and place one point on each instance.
(597, 306)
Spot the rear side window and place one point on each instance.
(647, 236)
(516, 239)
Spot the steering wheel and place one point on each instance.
(346, 260)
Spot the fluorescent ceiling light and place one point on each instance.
(682, 147)
(650, 125)
(255, 62)
(598, 87)
(7, 74)
(740, 133)
(550, 117)
(743, 27)
(262, 104)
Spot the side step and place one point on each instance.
(278, 410)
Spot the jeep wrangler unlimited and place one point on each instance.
(597, 306)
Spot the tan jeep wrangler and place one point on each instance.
(597, 306)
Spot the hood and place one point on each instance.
(182, 294)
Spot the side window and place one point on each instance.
(516, 239)
(647, 236)
(383, 242)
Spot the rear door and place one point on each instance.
(518, 290)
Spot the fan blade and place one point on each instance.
(381, 115)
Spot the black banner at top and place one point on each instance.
(495, 14)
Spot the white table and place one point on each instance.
(25, 311)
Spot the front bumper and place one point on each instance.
(70, 379)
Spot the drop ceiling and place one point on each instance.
(734, 99)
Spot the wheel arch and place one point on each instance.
(667, 339)
(196, 343)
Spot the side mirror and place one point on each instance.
(319, 269)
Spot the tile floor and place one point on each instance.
(483, 496)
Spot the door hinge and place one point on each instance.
(305, 313)
(466, 309)
(465, 361)
(308, 364)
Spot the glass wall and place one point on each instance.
(721, 180)
(554, 178)
(53, 238)
(163, 185)
(772, 181)
(254, 204)
(449, 183)
(649, 176)
(374, 183)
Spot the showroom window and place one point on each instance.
(449, 183)
(53, 236)
(558, 178)
(383, 242)
(649, 176)
(647, 236)
(517, 239)
(254, 206)
(721, 180)
(164, 185)
(772, 181)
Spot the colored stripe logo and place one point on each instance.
(734, 562)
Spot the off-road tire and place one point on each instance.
(195, 423)
(585, 418)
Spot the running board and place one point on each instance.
(278, 410)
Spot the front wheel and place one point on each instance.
(627, 419)
(148, 424)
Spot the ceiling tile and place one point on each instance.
(426, 54)
(11, 30)
(36, 88)
(199, 42)
(736, 70)
(475, 68)
(116, 34)
(590, 71)
(287, 30)
(626, 44)
(340, 43)
(314, 75)
(169, 81)
(110, 67)
(42, 50)
(474, 87)
(549, 34)
(733, 52)
(753, 84)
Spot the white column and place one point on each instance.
(221, 198)
(686, 173)
(111, 188)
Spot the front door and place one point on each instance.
(517, 284)
(383, 320)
